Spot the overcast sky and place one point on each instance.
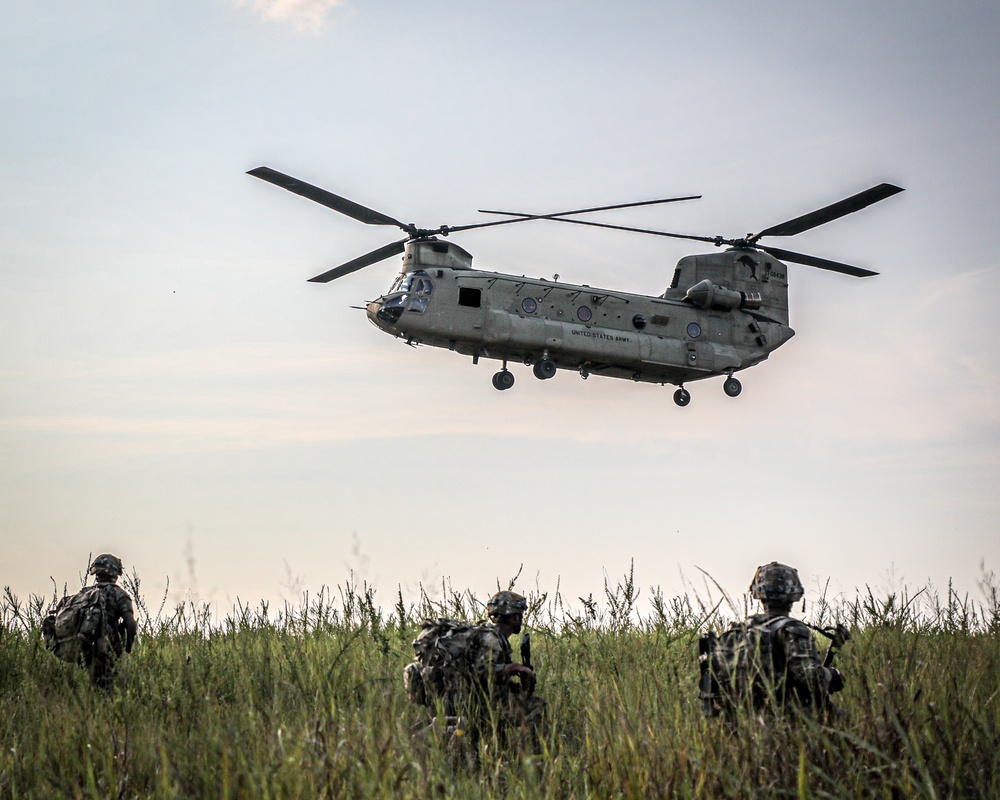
(174, 391)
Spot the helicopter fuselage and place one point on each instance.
(724, 312)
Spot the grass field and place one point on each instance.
(307, 701)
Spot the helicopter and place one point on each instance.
(723, 312)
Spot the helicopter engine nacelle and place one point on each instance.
(707, 295)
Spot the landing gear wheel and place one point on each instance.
(544, 369)
(732, 387)
(682, 397)
(503, 380)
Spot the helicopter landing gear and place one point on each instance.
(682, 397)
(732, 387)
(544, 369)
(584, 373)
(503, 380)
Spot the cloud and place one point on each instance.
(308, 16)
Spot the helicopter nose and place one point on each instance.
(385, 313)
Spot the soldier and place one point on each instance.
(506, 612)
(771, 658)
(470, 670)
(520, 707)
(95, 625)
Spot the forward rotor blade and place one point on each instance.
(360, 262)
(596, 208)
(522, 217)
(325, 198)
(830, 213)
(815, 261)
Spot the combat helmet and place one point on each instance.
(106, 566)
(776, 584)
(504, 603)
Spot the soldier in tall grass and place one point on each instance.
(771, 660)
(468, 672)
(94, 626)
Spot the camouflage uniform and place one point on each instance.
(799, 672)
(514, 704)
(771, 658)
(464, 668)
(99, 656)
(120, 618)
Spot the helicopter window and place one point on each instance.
(423, 286)
(694, 330)
(584, 314)
(529, 305)
(638, 322)
(469, 297)
(418, 304)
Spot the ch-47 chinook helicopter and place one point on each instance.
(723, 312)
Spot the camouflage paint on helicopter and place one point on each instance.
(722, 313)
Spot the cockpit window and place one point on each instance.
(418, 282)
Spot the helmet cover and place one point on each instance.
(106, 565)
(503, 603)
(776, 583)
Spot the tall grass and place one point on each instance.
(307, 701)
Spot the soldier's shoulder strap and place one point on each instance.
(787, 626)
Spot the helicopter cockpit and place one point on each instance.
(411, 290)
(414, 287)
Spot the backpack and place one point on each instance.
(78, 628)
(443, 666)
(741, 666)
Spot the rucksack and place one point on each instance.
(740, 666)
(443, 666)
(79, 626)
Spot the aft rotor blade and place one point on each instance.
(712, 239)
(815, 261)
(596, 208)
(325, 198)
(831, 212)
(360, 262)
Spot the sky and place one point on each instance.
(174, 391)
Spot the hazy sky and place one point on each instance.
(174, 391)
